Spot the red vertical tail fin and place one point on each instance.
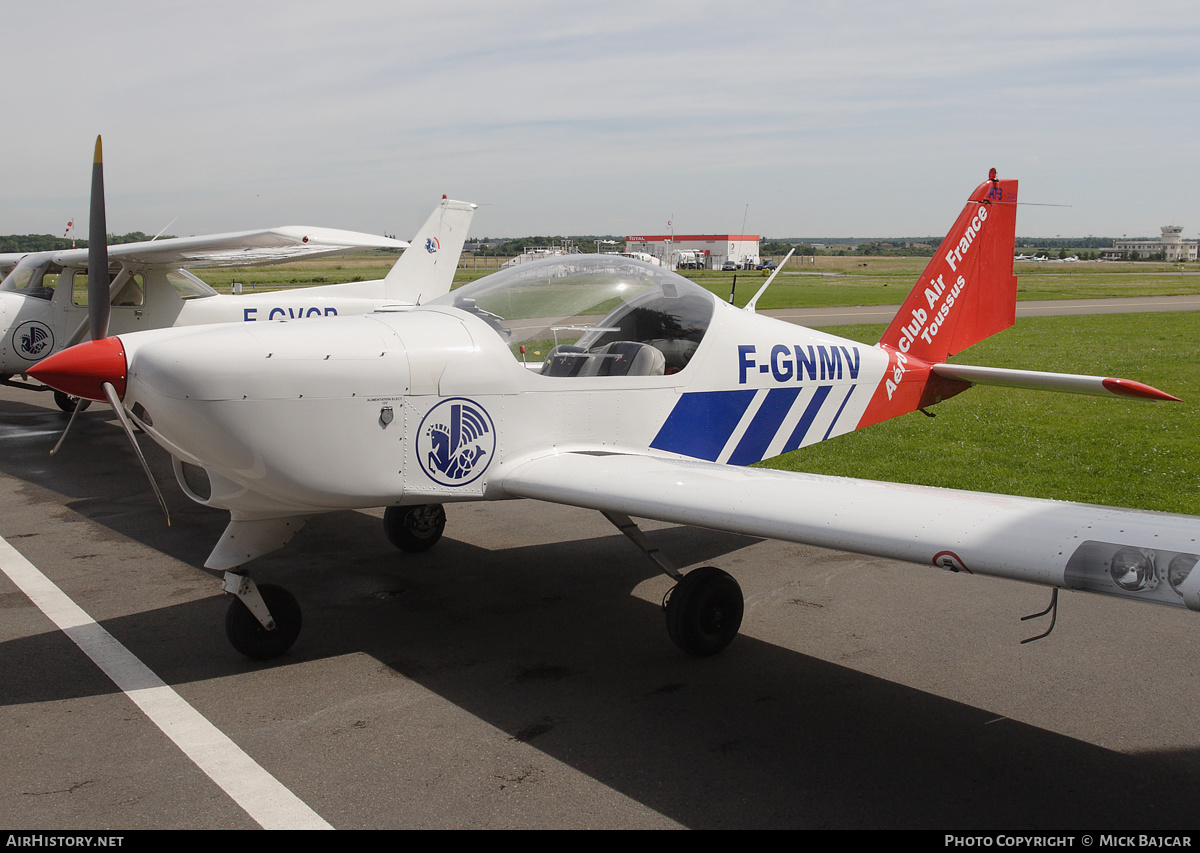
(968, 291)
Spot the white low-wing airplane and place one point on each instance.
(44, 295)
(606, 383)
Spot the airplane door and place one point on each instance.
(128, 307)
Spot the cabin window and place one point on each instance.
(132, 294)
(188, 286)
(32, 277)
(591, 315)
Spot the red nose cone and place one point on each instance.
(82, 369)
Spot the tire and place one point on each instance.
(414, 528)
(67, 403)
(247, 634)
(704, 611)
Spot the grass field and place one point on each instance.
(828, 281)
(1095, 450)
(886, 281)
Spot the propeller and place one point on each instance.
(93, 371)
(98, 295)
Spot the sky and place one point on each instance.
(786, 119)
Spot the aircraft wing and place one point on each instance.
(241, 248)
(1077, 546)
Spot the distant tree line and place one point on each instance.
(511, 246)
(588, 243)
(1066, 242)
(50, 243)
(922, 248)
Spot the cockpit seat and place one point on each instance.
(626, 358)
(565, 360)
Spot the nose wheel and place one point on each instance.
(262, 621)
(68, 403)
(414, 528)
(704, 611)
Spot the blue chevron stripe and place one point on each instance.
(806, 419)
(702, 422)
(762, 429)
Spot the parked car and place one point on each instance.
(767, 265)
(729, 266)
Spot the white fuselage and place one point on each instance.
(33, 327)
(348, 408)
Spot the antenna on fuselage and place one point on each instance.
(750, 305)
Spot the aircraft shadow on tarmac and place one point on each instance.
(548, 644)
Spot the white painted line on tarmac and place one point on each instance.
(255, 790)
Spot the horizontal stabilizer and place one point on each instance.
(1036, 380)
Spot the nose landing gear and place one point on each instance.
(262, 621)
(68, 403)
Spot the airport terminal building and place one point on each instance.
(697, 251)
(1172, 246)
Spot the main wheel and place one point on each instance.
(248, 635)
(414, 528)
(68, 403)
(704, 611)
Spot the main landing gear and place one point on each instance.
(704, 609)
(414, 528)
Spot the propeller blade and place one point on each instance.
(98, 295)
(111, 393)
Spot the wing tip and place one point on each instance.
(1140, 390)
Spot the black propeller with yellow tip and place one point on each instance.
(98, 313)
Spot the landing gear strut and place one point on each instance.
(414, 528)
(262, 621)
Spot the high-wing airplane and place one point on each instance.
(606, 383)
(44, 295)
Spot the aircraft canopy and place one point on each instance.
(580, 315)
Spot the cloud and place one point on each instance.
(826, 118)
